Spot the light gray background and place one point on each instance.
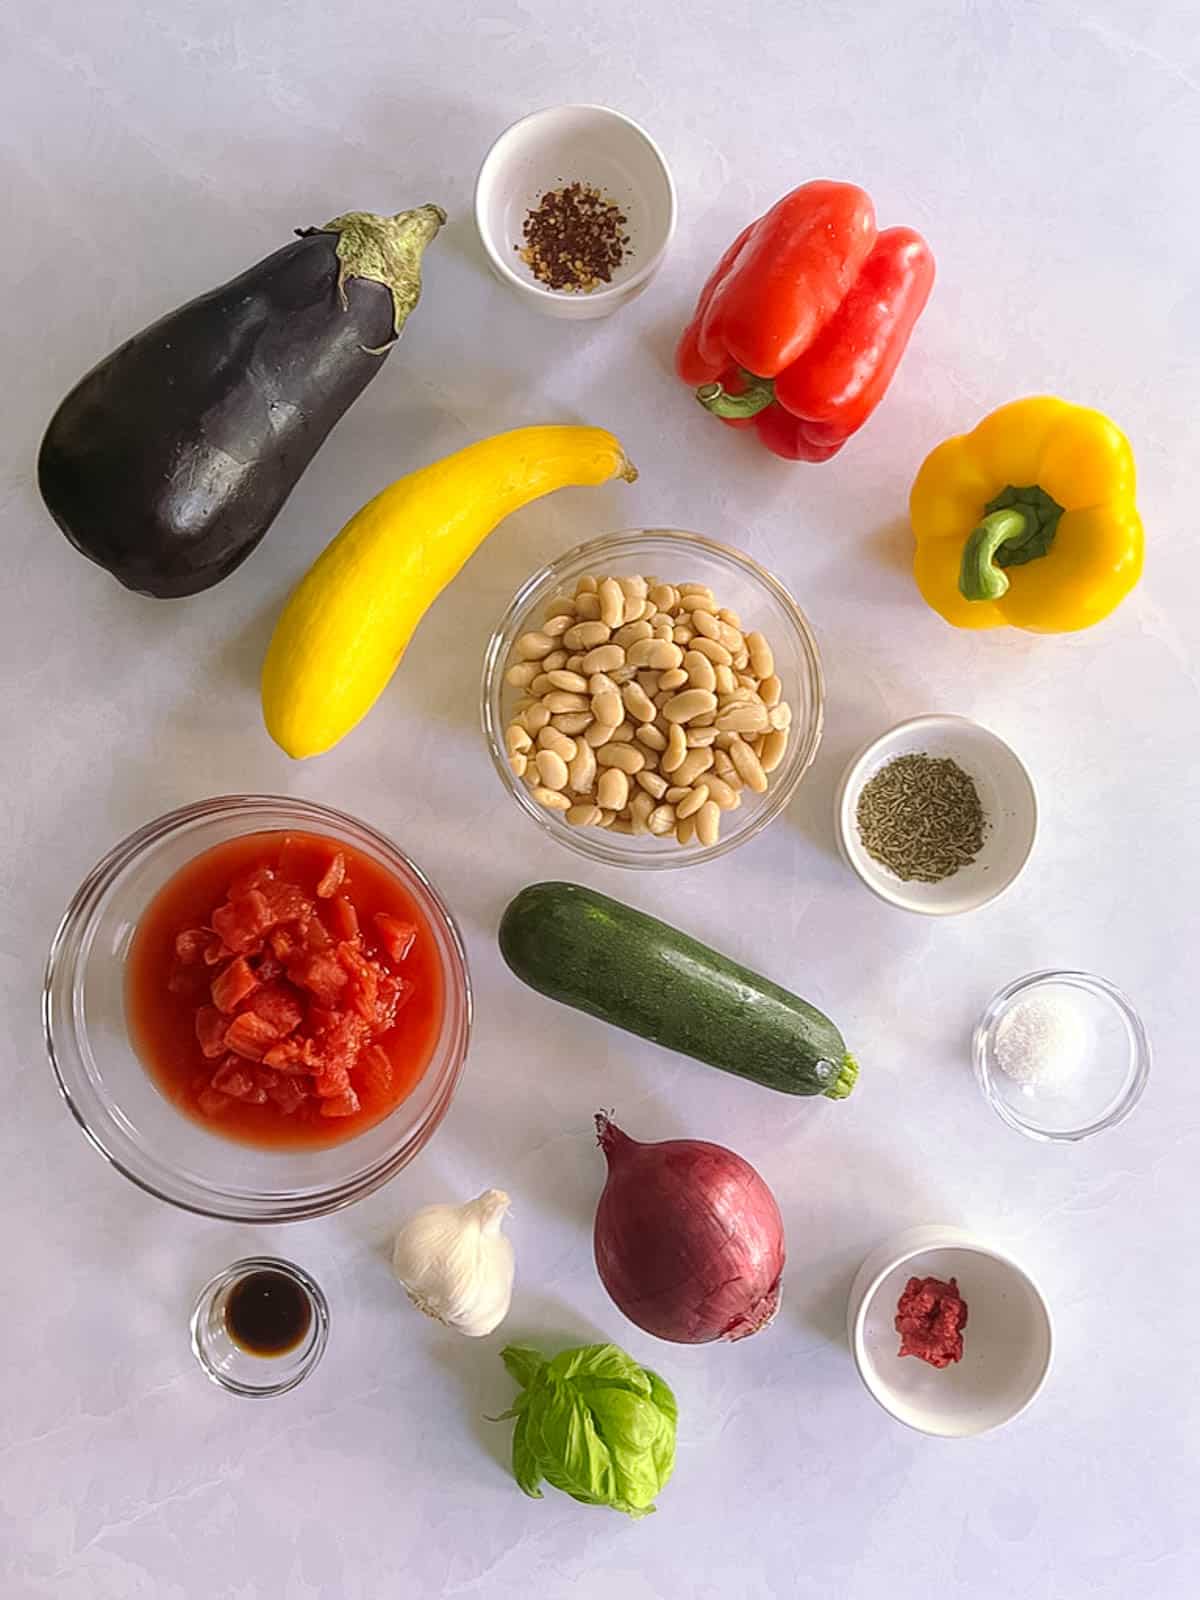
(1049, 152)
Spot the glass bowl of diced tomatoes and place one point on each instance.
(257, 1008)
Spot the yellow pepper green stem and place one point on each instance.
(981, 578)
(1028, 521)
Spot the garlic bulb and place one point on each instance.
(456, 1264)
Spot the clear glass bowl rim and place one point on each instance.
(59, 994)
(593, 843)
(318, 1335)
(1090, 980)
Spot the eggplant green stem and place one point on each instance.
(387, 250)
(979, 577)
(758, 394)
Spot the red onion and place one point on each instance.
(688, 1238)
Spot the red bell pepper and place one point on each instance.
(803, 322)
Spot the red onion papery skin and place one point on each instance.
(688, 1238)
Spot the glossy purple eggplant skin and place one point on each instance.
(169, 461)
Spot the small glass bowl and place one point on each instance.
(116, 1101)
(238, 1370)
(739, 583)
(1114, 1066)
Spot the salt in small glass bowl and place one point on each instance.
(738, 582)
(1114, 1065)
(238, 1370)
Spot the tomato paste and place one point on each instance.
(284, 989)
(930, 1319)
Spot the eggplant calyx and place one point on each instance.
(387, 250)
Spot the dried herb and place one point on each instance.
(575, 238)
(921, 817)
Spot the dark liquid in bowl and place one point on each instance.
(267, 1313)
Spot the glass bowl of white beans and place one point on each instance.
(652, 698)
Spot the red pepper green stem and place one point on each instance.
(980, 578)
(758, 394)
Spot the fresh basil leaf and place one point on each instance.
(524, 1463)
(573, 1456)
(663, 1397)
(523, 1362)
(600, 1361)
(627, 1422)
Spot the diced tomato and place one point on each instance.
(210, 1031)
(233, 985)
(292, 1056)
(322, 975)
(341, 1105)
(190, 945)
(250, 1036)
(394, 992)
(241, 923)
(288, 1095)
(314, 935)
(279, 1006)
(343, 920)
(275, 977)
(213, 1103)
(252, 878)
(286, 902)
(374, 1072)
(396, 937)
(236, 1079)
(331, 879)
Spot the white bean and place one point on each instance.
(552, 769)
(551, 799)
(692, 801)
(612, 603)
(586, 635)
(621, 755)
(551, 739)
(582, 771)
(533, 646)
(708, 823)
(691, 703)
(612, 792)
(773, 747)
(747, 765)
(700, 671)
(603, 658)
(761, 658)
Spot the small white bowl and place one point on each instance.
(1007, 1341)
(1006, 794)
(572, 144)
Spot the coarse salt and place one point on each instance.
(1040, 1042)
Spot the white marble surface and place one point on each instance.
(1048, 150)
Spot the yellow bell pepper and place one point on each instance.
(1029, 520)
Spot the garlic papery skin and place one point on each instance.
(456, 1264)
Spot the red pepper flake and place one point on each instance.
(929, 1319)
(575, 238)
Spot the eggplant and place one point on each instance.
(169, 461)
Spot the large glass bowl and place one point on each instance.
(737, 582)
(115, 1100)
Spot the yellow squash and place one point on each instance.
(348, 622)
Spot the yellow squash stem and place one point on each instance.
(347, 623)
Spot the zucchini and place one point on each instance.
(620, 965)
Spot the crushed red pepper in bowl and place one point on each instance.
(575, 238)
(929, 1319)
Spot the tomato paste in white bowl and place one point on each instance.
(1006, 1334)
